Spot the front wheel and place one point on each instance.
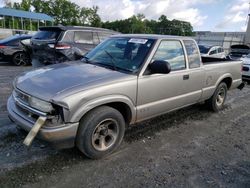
(216, 102)
(100, 132)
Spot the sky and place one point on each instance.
(204, 15)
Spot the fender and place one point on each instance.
(227, 75)
(102, 101)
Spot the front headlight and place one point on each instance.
(40, 104)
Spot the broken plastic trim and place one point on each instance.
(35, 129)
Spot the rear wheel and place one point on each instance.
(20, 59)
(216, 102)
(100, 132)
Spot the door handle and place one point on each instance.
(186, 77)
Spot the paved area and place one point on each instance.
(192, 147)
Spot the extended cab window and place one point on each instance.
(172, 52)
(83, 37)
(192, 53)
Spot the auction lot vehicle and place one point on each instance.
(212, 51)
(237, 51)
(16, 49)
(124, 80)
(66, 43)
(246, 67)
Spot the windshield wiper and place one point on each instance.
(112, 59)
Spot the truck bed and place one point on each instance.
(212, 60)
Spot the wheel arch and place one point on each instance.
(227, 79)
(121, 103)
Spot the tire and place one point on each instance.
(20, 59)
(100, 132)
(216, 102)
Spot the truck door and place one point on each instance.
(159, 93)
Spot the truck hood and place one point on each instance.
(47, 82)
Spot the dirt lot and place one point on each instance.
(192, 147)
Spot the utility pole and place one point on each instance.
(247, 35)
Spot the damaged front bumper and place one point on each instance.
(61, 135)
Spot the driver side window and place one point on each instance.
(172, 52)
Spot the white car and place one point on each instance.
(212, 51)
(246, 67)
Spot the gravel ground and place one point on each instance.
(192, 147)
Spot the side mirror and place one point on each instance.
(160, 67)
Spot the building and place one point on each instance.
(18, 21)
(224, 39)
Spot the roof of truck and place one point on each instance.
(152, 36)
(64, 28)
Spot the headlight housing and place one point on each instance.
(40, 104)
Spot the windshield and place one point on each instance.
(204, 49)
(125, 54)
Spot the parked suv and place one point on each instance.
(64, 43)
(212, 51)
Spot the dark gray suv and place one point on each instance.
(58, 44)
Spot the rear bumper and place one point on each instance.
(246, 77)
(61, 136)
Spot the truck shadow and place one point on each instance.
(150, 127)
(56, 161)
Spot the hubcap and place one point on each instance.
(20, 59)
(105, 134)
(220, 97)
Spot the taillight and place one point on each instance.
(2, 46)
(62, 46)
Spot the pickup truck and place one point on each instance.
(124, 80)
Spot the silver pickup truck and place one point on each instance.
(124, 80)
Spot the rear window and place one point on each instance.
(220, 50)
(47, 35)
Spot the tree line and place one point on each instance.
(66, 12)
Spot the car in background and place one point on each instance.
(246, 67)
(238, 51)
(212, 51)
(16, 49)
(58, 44)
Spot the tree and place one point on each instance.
(66, 12)
(7, 3)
